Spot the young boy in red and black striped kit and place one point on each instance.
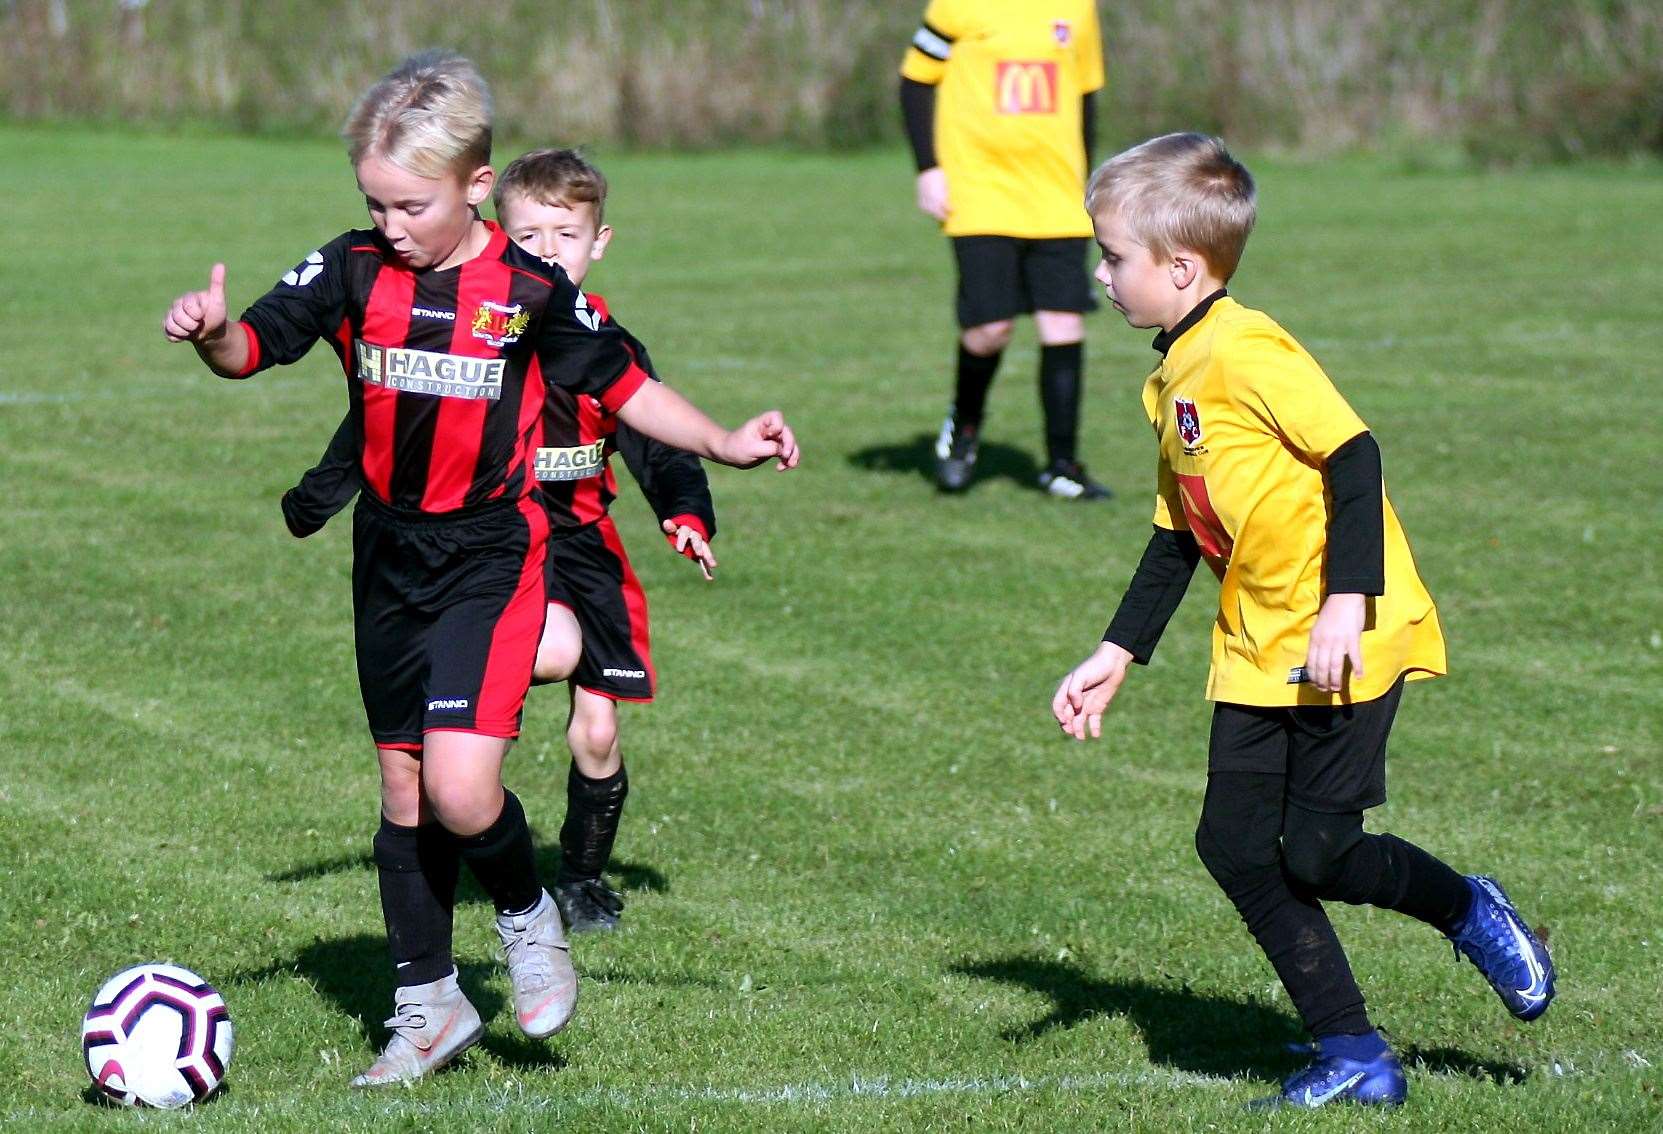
(551, 203)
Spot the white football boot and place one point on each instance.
(539, 967)
(432, 1024)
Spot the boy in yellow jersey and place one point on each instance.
(997, 98)
(1269, 476)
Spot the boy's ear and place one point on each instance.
(478, 184)
(602, 239)
(1184, 268)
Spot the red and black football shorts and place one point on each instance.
(1001, 277)
(447, 612)
(589, 574)
(1333, 756)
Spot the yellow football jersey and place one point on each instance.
(1010, 76)
(1246, 421)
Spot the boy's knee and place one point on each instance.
(988, 338)
(1058, 328)
(1314, 846)
(1214, 855)
(465, 808)
(555, 661)
(592, 735)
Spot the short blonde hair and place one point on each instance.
(553, 177)
(1180, 191)
(430, 116)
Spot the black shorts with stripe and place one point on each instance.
(589, 573)
(1001, 277)
(1333, 756)
(447, 611)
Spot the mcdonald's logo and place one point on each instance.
(1026, 86)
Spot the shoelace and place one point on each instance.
(407, 1016)
(602, 897)
(525, 961)
(1500, 940)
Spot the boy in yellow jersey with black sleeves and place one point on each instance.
(1269, 476)
(997, 98)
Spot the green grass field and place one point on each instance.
(870, 886)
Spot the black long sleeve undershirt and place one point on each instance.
(1156, 589)
(918, 116)
(1357, 525)
(327, 487)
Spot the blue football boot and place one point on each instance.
(1374, 1082)
(1496, 939)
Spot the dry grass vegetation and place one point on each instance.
(1503, 79)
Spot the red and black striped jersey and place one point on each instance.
(580, 432)
(446, 371)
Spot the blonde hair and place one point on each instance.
(553, 177)
(1179, 191)
(430, 116)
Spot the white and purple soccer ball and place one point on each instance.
(157, 1035)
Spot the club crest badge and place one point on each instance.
(500, 324)
(1188, 422)
(1063, 31)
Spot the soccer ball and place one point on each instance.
(157, 1035)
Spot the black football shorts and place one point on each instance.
(1001, 277)
(589, 573)
(1334, 756)
(447, 613)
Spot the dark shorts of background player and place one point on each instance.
(447, 612)
(1001, 277)
(1334, 757)
(589, 573)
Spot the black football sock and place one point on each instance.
(503, 859)
(593, 808)
(1239, 840)
(975, 375)
(1334, 860)
(417, 868)
(1060, 368)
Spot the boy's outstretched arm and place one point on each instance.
(327, 487)
(1356, 565)
(660, 412)
(1156, 589)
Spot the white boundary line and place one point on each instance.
(546, 1096)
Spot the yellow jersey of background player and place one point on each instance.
(1010, 77)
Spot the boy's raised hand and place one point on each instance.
(686, 541)
(764, 437)
(1085, 693)
(198, 316)
(1336, 638)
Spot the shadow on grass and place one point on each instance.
(1206, 1035)
(1453, 1061)
(323, 868)
(917, 456)
(625, 875)
(354, 974)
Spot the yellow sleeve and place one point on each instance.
(1277, 383)
(932, 44)
(1169, 506)
(1089, 45)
